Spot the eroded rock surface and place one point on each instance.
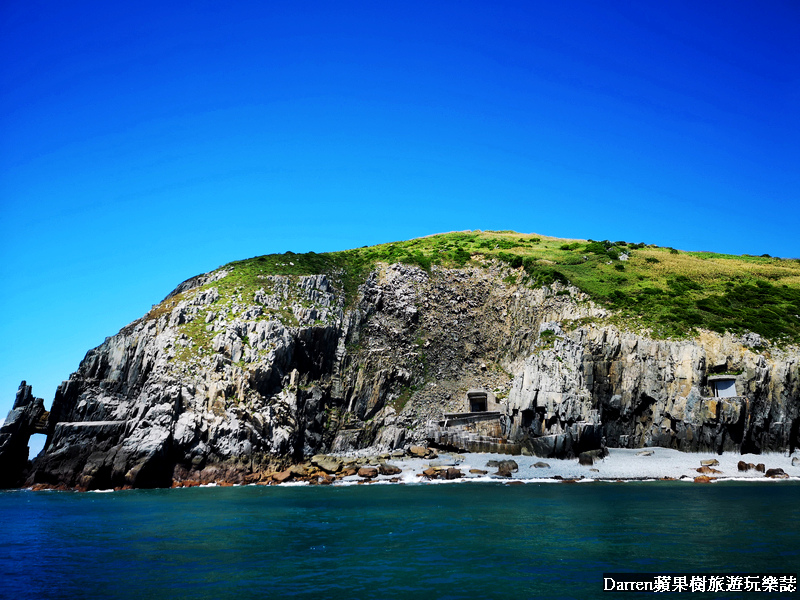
(27, 416)
(229, 386)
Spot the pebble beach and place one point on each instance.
(620, 465)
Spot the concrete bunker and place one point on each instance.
(722, 386)
(480, 400)
(483, 428)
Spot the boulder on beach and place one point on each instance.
(776, 474)
(422, 452)
(282, 476)
(299, 470)
(329, 464)
(368, 472)
(452, 473)
(503, 471)
(389, 469)
(706, 470)
(507, 465)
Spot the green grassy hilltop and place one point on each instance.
(668, 291)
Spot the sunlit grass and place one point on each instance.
(669, 291)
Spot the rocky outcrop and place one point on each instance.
(639, 392)
(236, 374)
(26, 417)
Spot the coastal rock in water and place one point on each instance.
(27, 416)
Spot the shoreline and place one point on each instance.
(621, 465)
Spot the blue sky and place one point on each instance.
(143, 143)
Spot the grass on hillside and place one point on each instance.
(666, 290)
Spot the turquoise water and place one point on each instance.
(413, 541)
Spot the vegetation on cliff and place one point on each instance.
(275, 359)
(670, 292)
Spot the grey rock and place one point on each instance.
(442, 463)
(27, 416)
(291, 371)
(453, 473)
(504, 466)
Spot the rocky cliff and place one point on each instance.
(27, 416)
(235, 374)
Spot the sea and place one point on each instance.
(450, 540)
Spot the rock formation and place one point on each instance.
(227, 377)
(26, 417)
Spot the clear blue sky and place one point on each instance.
(142, 143)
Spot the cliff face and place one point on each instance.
(223, 386)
